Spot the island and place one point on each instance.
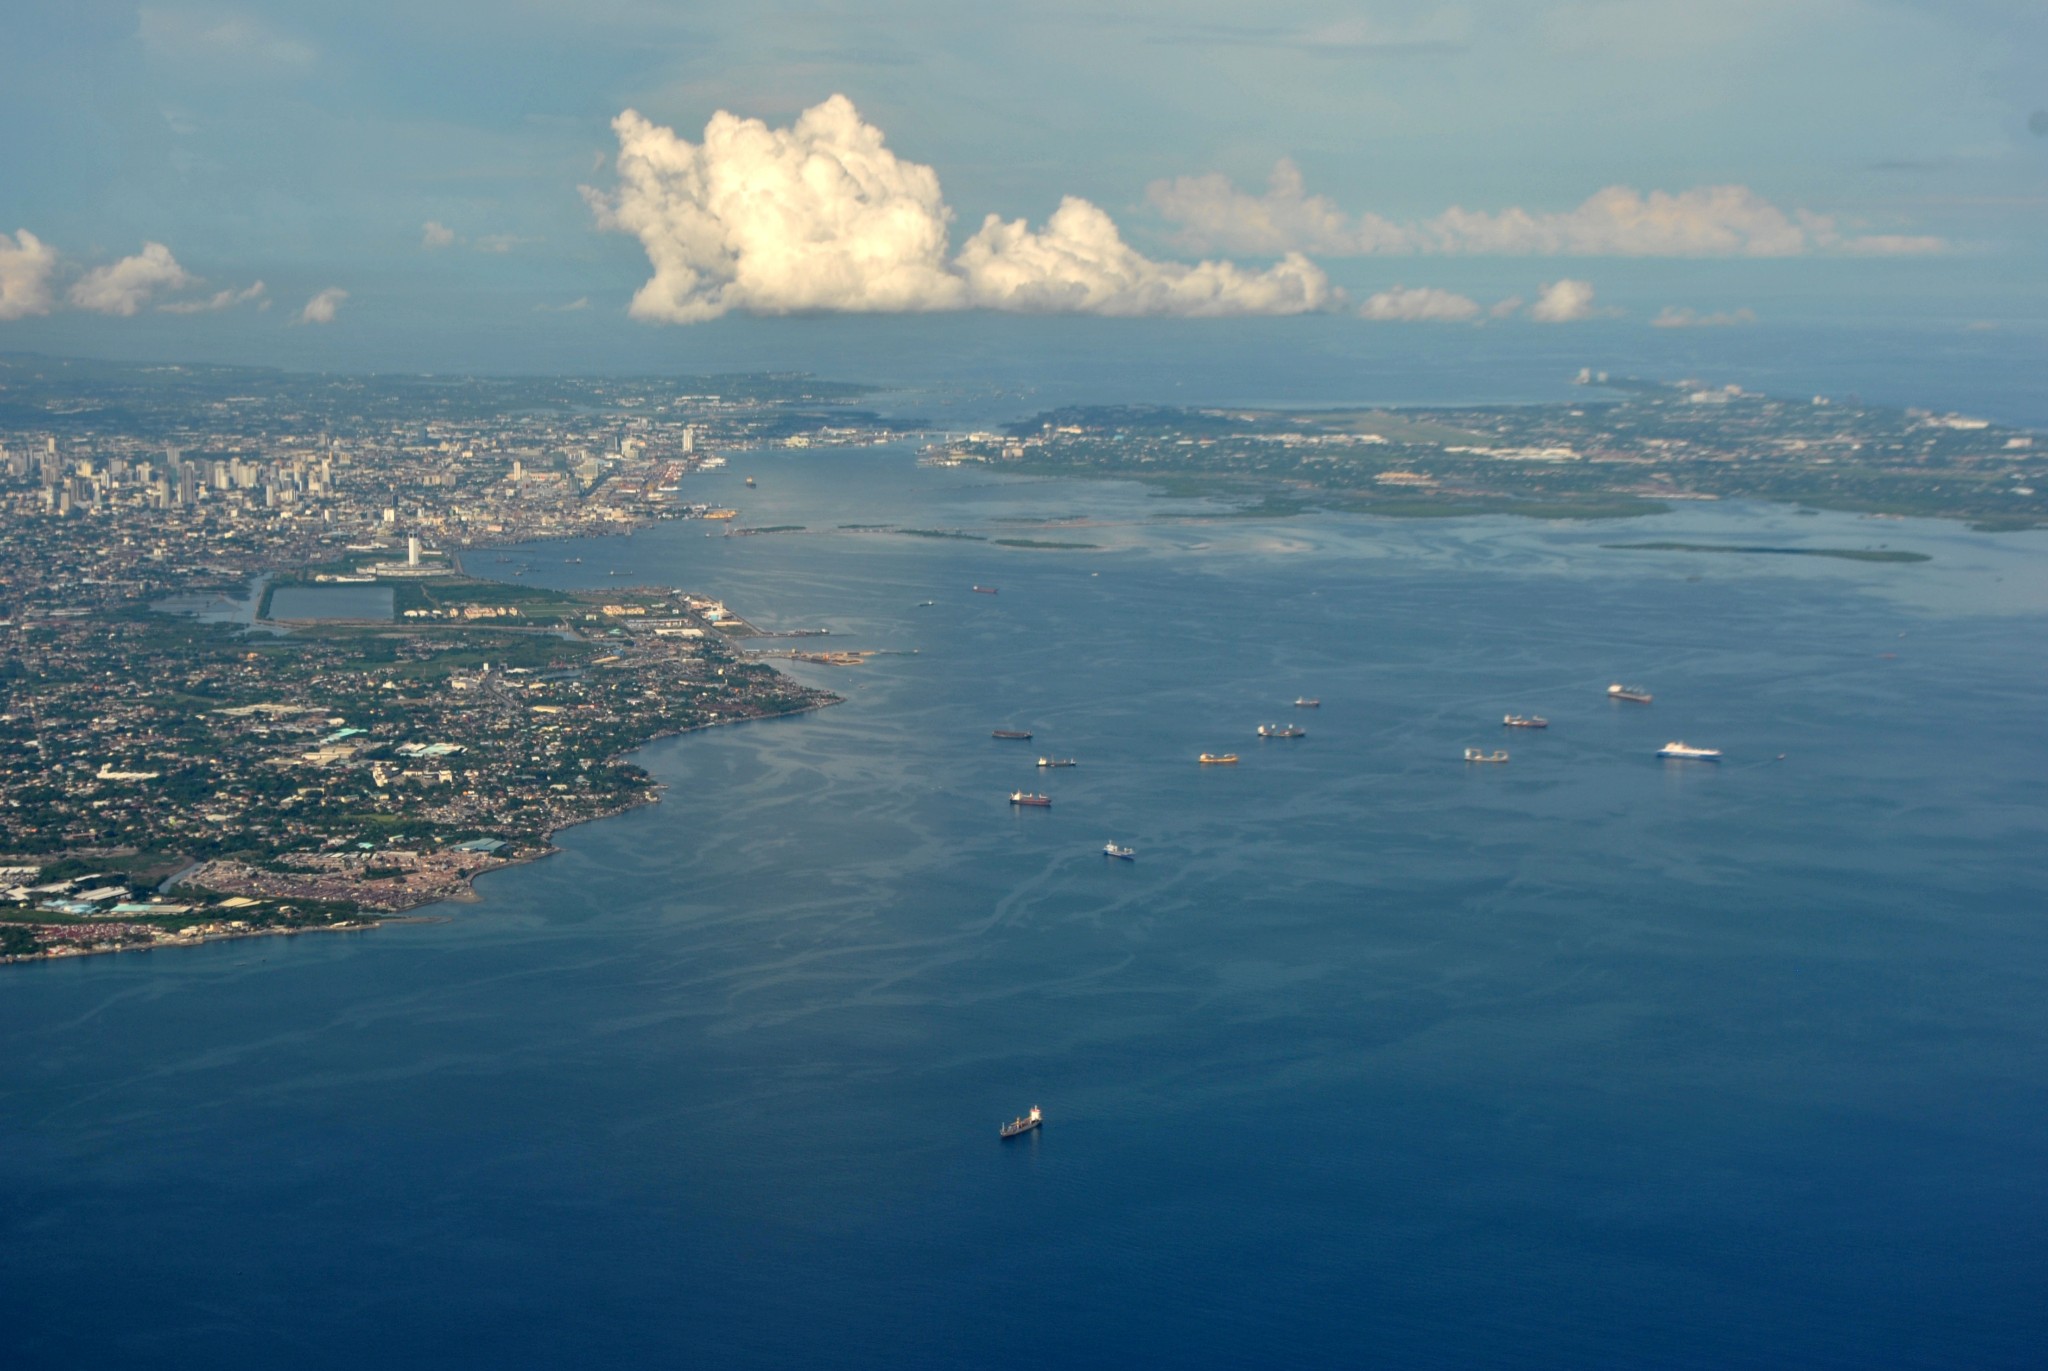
(1630, 447)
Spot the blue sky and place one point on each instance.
(1815, 158)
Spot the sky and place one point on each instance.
(443, 183)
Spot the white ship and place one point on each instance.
(1687, 753)
(1127, 854)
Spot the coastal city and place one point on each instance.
(250, 685)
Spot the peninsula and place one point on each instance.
(249, 682)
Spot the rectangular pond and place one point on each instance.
(330, 602)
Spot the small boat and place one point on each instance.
(1524, 721)
(1017, 733)
(1219, 759)
(1477, 754)
(1306, 703)
(1023, 1124)
(750, 482)
(1054, 762)
(1281, 731)
(1122, 854)
(984, 590)
(1628, 692)
(1029, 800)
(1684, 753)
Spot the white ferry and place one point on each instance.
(1686, 753)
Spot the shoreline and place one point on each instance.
(403, 914)
(464, 890)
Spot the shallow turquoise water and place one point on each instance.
(1370, 1058)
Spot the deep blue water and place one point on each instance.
(1371, 1058)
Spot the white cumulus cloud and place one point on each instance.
(124, 287)
(1419, 304)
(1079, 264)
(824, 216)
(1563, 302)
(322, 308)
(435, 234)
(1677, 316)
(1619, 221)
(26, 264)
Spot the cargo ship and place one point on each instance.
(1219, 759)
(1030, 800)
(984, 590)
(1686, 753)
(1122, 854)
(1306, 702)
(1023, 1124)
(1628, 692)
(1011, 733)
(1524, 721)
(1476, 754)
(1053, 762)
(1281, 731)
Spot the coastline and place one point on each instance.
(464, 893)
(457, 887)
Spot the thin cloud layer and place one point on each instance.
(823, 216)
(1706, 221)
(1678, 316)
(126, 286)
(26, 265)
(1419, 305)
(256, 293)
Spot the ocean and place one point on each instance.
(1371, 1057)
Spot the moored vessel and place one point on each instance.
(1524, 721)
(1023, 1123)
(1686, 753)
(1018, 733)
(1281, 731)
(985, 590)
(1307, 702)
(1122, 854)
(1219, 759)
(1030, 800)
(1052, 762)
(1618, 691)
(1479, 754)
